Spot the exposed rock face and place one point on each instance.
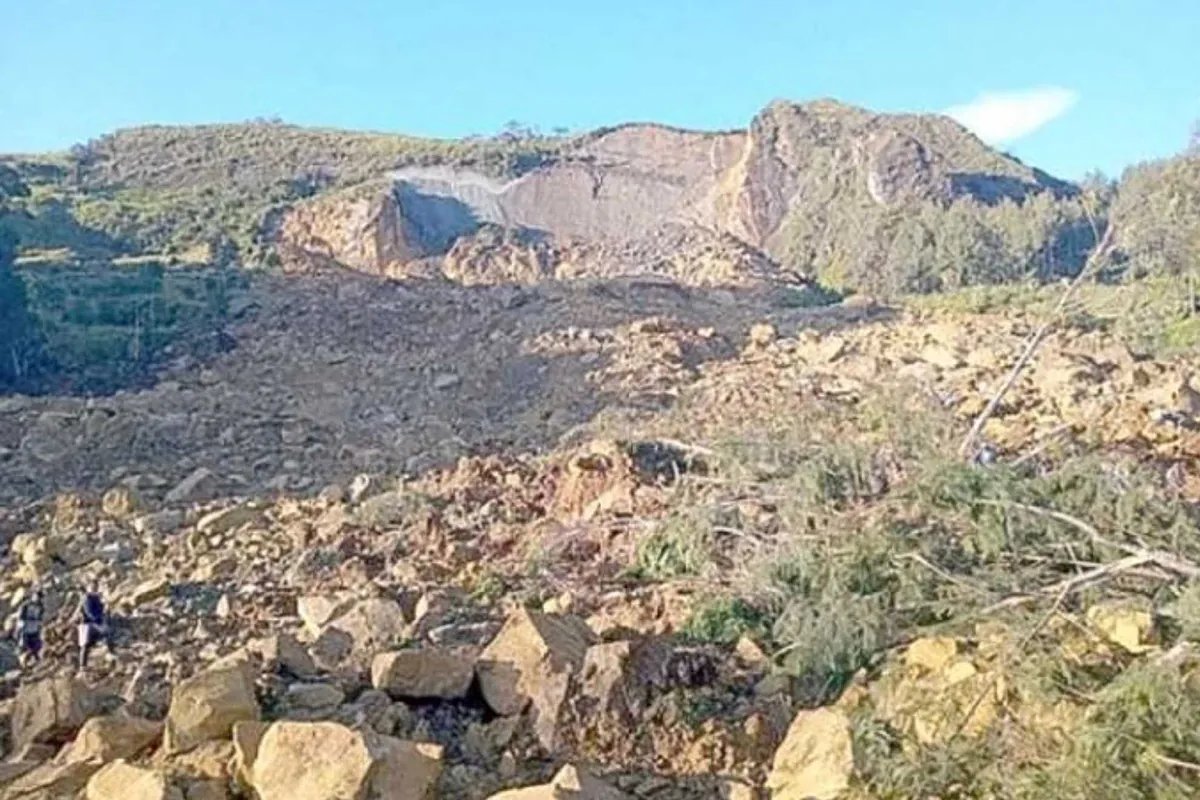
(327, 761)
(365, 233)
(899, 169)
(628, 184)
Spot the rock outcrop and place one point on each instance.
(620, 189)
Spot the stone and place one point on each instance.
(941, 356)
(314, 696)
(508, 666)
(206, 706)
(750, 654)
(815, 760)
(148, 591)
(282, 653)
(208, 761)
(446, 380)
(1128, 627)
(227, 519)
(246, 738)
(161, 523)
(932, 653)
(49, 711)
(762, 334)
(112, 737)
(620, 677)
(531, 663)
(51, 781)
(122, 781)
(328, 761)
(201, 484)
(206, 790)
(423, 674)
(331, 648)
(373, 625)
(120, 502)
(317, 610)
(569, 783)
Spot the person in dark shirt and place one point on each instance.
(93, 625)
(29, 627)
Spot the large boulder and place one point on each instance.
(423, 674)
(570, 783)
(110, 738)
(371, 626)
(122, 781)
(49, 711)
(206, 706)
(328, 761)
(317, 610)
(815, 760)
(620, 678)
(284, 654)
(530, 663)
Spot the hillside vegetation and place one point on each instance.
(1157, 210)
(170, 189)
(885, 204)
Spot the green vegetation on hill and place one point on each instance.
(1157, 211)
(18, 339)
(171, 189)
(892, 204)
(18, 342)
(953, 212)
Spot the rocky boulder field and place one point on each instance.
(839, 457)
(608, 539)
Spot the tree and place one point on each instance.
(1194, 142)
(18, 339)
(81, 157)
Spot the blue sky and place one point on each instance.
(1066, 86)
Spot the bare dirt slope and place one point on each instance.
(337, 375)
(657, 541)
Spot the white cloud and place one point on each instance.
(998, 117)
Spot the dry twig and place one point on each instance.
(1034, 341)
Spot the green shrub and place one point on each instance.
(724, 620)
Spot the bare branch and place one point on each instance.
(1034, 341)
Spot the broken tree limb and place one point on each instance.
(1034, 341)
(1160, 558)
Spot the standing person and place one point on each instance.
(93, 624)
(29, 627)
